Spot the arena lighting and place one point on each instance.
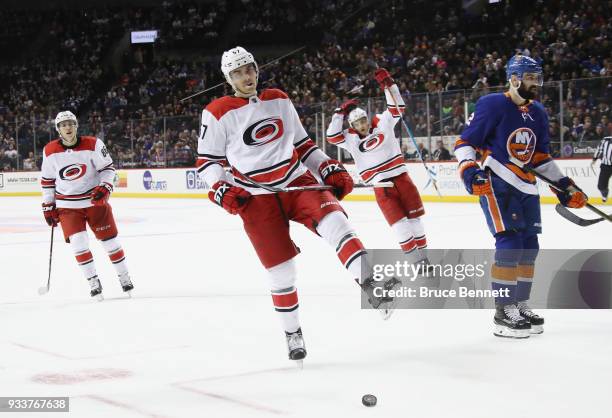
(144, 36)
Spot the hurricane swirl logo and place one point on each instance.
(371, 142)
(263, 132)
(73, 172)
(521, 145)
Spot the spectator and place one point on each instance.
(441, 153)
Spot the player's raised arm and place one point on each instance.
(395, 101)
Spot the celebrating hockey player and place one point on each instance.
(77, 180)
(261, 137)
(378, 156)
(511, 131)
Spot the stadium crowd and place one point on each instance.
(440, 57)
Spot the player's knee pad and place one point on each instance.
(111, 244)
(283, 275)
(508, 248)
(417, 226)
(403, 227)
(334, 227)
(79, 241)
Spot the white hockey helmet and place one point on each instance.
(63, 116)
(236, 58)
(356, 114)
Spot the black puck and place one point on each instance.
(368, 400)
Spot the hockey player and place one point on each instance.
(378, 156)
(77, 180)
(261, 138)
(511, 132)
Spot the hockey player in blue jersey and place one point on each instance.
(510, 130)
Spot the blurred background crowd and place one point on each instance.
(443, 57)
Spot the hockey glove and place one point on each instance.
(346, 107)
(383, 78)
(100, 194)
(233, 199)
(51, 214)
(334, 174)
(475, 180)
(571, 196)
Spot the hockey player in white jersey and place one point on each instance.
(260, 137)
(378, 156)
(77, 180)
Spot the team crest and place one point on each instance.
(263, 132)
(73, 172)
(371, 142)
(521, 145)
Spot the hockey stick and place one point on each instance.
(45, 289)
(427, 169)
(563, 211)
(303, 188)
(263, 66)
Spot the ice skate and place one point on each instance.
(296, 346)
(95, 288)
(536, 321)
(126, 284)
(509, 323)
(384, 304)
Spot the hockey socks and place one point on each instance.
(284, 294)
(116, 255)
(80, 246)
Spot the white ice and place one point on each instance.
(200, 337)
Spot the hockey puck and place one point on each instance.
(368, 400)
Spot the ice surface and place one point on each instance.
(200, 337)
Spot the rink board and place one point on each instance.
(184, 183)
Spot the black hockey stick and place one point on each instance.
(570, 216)
(45, 289)
(563, 211)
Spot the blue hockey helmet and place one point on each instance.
(521, 64)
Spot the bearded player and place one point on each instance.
(511, 132)
(77, 180)
(260, 136)
(378, 157)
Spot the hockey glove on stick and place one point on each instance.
(334, 174)
(100, 194)
(383, 78)
(346, 107)
(51, 214)
(475, 180)
(571, 196)
(233, 199)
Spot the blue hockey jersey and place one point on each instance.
(509, 137)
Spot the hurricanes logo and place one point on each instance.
(263, 132)
(521, 145)
(372, 142)
(73, 172)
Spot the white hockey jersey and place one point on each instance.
(378, 155)
(70, 174)
(260, 137)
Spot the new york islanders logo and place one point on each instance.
(73, 172)
(263, 132)
(521, 145)
(371, 142)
